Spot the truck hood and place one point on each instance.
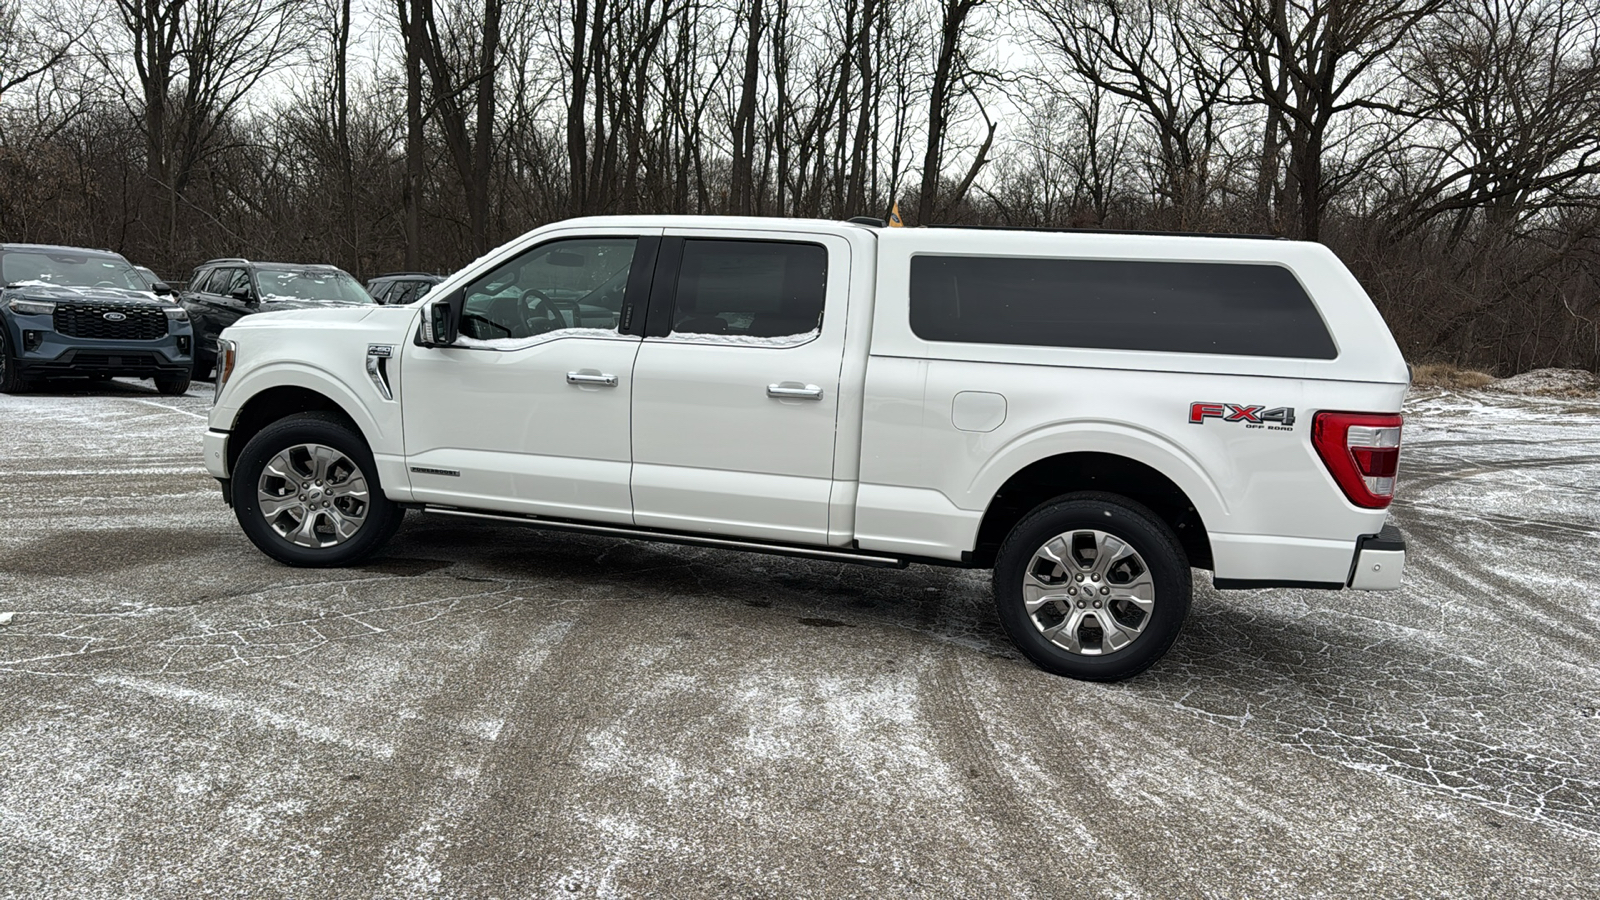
(41, 290)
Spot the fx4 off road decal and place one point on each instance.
(1277, 419)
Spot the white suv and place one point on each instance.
(1089, 414)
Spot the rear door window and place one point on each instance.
(758, 289)
(1244, 309)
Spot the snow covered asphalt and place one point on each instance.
(494, 712)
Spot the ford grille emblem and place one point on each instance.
(113, 316)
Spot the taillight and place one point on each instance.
(1362, 452)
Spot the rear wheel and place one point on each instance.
(11, 379)
(1092, 586)
(306, 493)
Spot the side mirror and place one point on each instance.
(243, 295)
(438, 325)
(162, 289)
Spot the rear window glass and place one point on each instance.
(1244, 309)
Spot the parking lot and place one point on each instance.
(492, 711)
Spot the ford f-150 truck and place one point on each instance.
(1091, 415)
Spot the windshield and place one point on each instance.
(324, 285)
(66, 269)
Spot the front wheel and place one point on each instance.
(306, 493)
(1092, 586)
(11, 380)
(172, 385)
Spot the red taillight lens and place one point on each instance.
(1362, 452)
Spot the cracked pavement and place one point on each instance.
(493, 712)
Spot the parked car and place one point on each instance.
(223, 290)
(1088, 414)
(70, 311)
(399, 288)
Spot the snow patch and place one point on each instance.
(1550, 383)
(743, 340)
(515, 343)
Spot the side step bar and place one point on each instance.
(668, 537)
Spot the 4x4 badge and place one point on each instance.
(1258, 416)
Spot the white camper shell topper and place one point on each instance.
(1091, 415)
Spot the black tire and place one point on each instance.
(172, 385)
(381, 518)
(11, 379)
(1157, 552)
(202, 368)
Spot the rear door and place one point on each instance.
(736, 388)
(528, 412)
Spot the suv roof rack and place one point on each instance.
(226, 259)
(1205, 234)
(398, 274)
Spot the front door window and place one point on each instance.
(559, 286)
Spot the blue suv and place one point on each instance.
(67, 311)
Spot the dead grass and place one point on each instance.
(1444, 375)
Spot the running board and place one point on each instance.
(668, 537)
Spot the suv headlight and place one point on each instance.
(176, 313)
(32, 307)
(227, 355)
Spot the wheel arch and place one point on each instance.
(279, 402)
(1092, 470)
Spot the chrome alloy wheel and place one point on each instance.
(1088, 592)
(313, 495)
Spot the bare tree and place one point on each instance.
(1155, 55)
(953, 76)
(1311, 61)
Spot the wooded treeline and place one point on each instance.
(1448, 150)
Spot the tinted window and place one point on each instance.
(563, 284)
(225, 281)
(754, 288)
(1233, 308)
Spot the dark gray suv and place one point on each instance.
(71, 311)
(224, 290)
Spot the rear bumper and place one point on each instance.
(1248, 562)
(1380, 561)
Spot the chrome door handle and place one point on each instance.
(794, 390)
(589, 376)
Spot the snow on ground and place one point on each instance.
(488, 711)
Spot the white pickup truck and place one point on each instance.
(1089, 414)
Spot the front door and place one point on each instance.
(736, 388)
(529, 411)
